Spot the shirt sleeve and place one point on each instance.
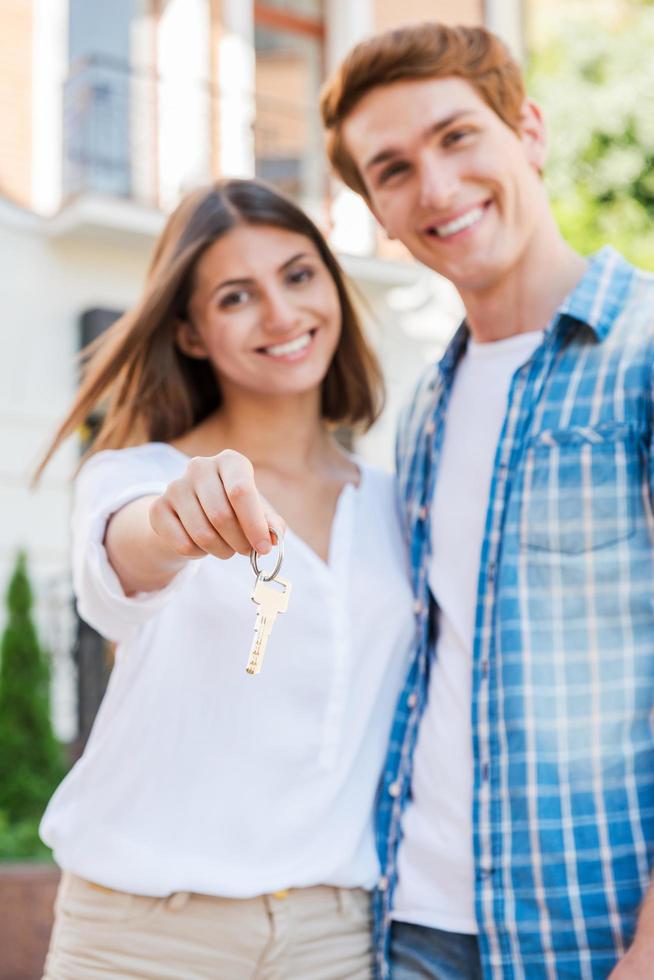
(106, 483)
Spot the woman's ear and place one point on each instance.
(189, 341)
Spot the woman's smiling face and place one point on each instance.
(264, 310)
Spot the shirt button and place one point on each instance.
(382, 884)
(429, 427)
(485, 873)
(394, 789)
(418, 607)
(412, 700)
(484, 668)
(492, 568)
(422, 513)
(485, 771)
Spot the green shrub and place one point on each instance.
(20, 841)
(595, 82)
(31, 758)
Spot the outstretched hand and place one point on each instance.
(215, 509)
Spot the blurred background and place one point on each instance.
(110, 110)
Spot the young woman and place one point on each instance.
(218, 824)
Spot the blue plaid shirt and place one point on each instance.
(563, 653)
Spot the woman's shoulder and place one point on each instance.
(154, 459)
(375, 481)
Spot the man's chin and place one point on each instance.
(471, 276)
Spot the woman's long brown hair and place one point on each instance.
(150, 390)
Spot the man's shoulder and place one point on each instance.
(615, 299)
(419, 405)
(630, 288)
(640, 301)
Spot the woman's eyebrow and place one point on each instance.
(248, 280)
(300, 255)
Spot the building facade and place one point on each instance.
(108, 112)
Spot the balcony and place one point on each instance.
(288, 151)
(134, 141)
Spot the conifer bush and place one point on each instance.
(31, 758)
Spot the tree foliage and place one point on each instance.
(595, 83)
(31, 758)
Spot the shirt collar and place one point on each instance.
(596, 300)
(599, 296)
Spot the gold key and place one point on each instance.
(272, 597)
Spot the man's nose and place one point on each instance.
(438, 183)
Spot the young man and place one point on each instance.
(517, 813)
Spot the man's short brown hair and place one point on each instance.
(429, 50)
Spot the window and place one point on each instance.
(105, 95)
(289, 70)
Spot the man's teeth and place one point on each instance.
(465, 221)
(291, 347)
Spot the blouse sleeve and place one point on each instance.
(106, 483)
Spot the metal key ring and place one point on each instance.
(254, 558)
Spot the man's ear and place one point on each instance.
(189, 341)
(533, 134)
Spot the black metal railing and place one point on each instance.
(113, 136)
(112, 129)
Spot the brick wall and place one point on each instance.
(16, 99)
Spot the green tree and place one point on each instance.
(31, 758)
(595, 82)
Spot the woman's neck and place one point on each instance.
(284, 433)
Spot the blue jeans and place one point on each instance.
(418, 952)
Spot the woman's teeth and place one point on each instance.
(292, 347)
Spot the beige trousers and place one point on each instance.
(317, 933)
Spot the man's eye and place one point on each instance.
(391, 171)
(234, 298)
(455, 136)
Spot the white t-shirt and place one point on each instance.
(436, 861)
(200, 777)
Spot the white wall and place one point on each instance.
(44, 288)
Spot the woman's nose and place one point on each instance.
(279, 313)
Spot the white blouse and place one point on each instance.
(200, 777)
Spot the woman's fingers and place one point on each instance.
(192, 518)
(252, 513)
(165, 522)
(219, 512)
(216, 509)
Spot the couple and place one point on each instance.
(220, 826)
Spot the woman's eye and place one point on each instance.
(301, 275)
(235, 298)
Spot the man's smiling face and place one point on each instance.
(447, 177)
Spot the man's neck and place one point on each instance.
(526, 298)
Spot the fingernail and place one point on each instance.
(263, 547)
